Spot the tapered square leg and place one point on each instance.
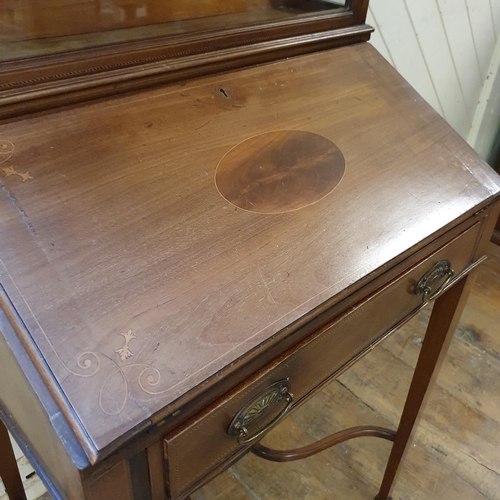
(442, 324)
(8, 467)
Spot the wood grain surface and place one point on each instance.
(203, 443)
(455, 449)
(142, 51)
(458, 459)
(138, 282)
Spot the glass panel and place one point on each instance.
(30, 28)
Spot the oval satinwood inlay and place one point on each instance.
(280, 171)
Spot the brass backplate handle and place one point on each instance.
(259, 406)
(436, 273)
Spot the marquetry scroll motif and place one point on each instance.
(126, 379)
(119, 380)
(8, 171)
(87, 363)
(6, 150)
(125, 352)
(118, 385)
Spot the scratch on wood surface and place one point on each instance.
(251, 286)
(244, 485)
(25, 219)
(265, 284)
(437, 479)
(201, 126)
(415, 476)
(411, 194)
(496, 473)
(474, 167)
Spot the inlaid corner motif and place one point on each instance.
(125, 352)
(6, 152)
(117, 387)
(126, 379)
(121, 381)
(12, 171)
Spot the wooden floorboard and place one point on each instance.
(456, 451)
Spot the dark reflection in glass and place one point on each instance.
(31, 28)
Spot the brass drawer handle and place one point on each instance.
(258, 407)
(433, 275)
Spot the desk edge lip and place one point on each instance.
(95, 454)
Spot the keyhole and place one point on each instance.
(224, 93)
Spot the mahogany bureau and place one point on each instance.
(183, 265)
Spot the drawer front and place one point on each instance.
(203, 443)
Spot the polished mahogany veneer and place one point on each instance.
(209, 282)
(182, 266)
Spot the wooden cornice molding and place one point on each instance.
(104, 73)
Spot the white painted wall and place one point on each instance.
(444, 48)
